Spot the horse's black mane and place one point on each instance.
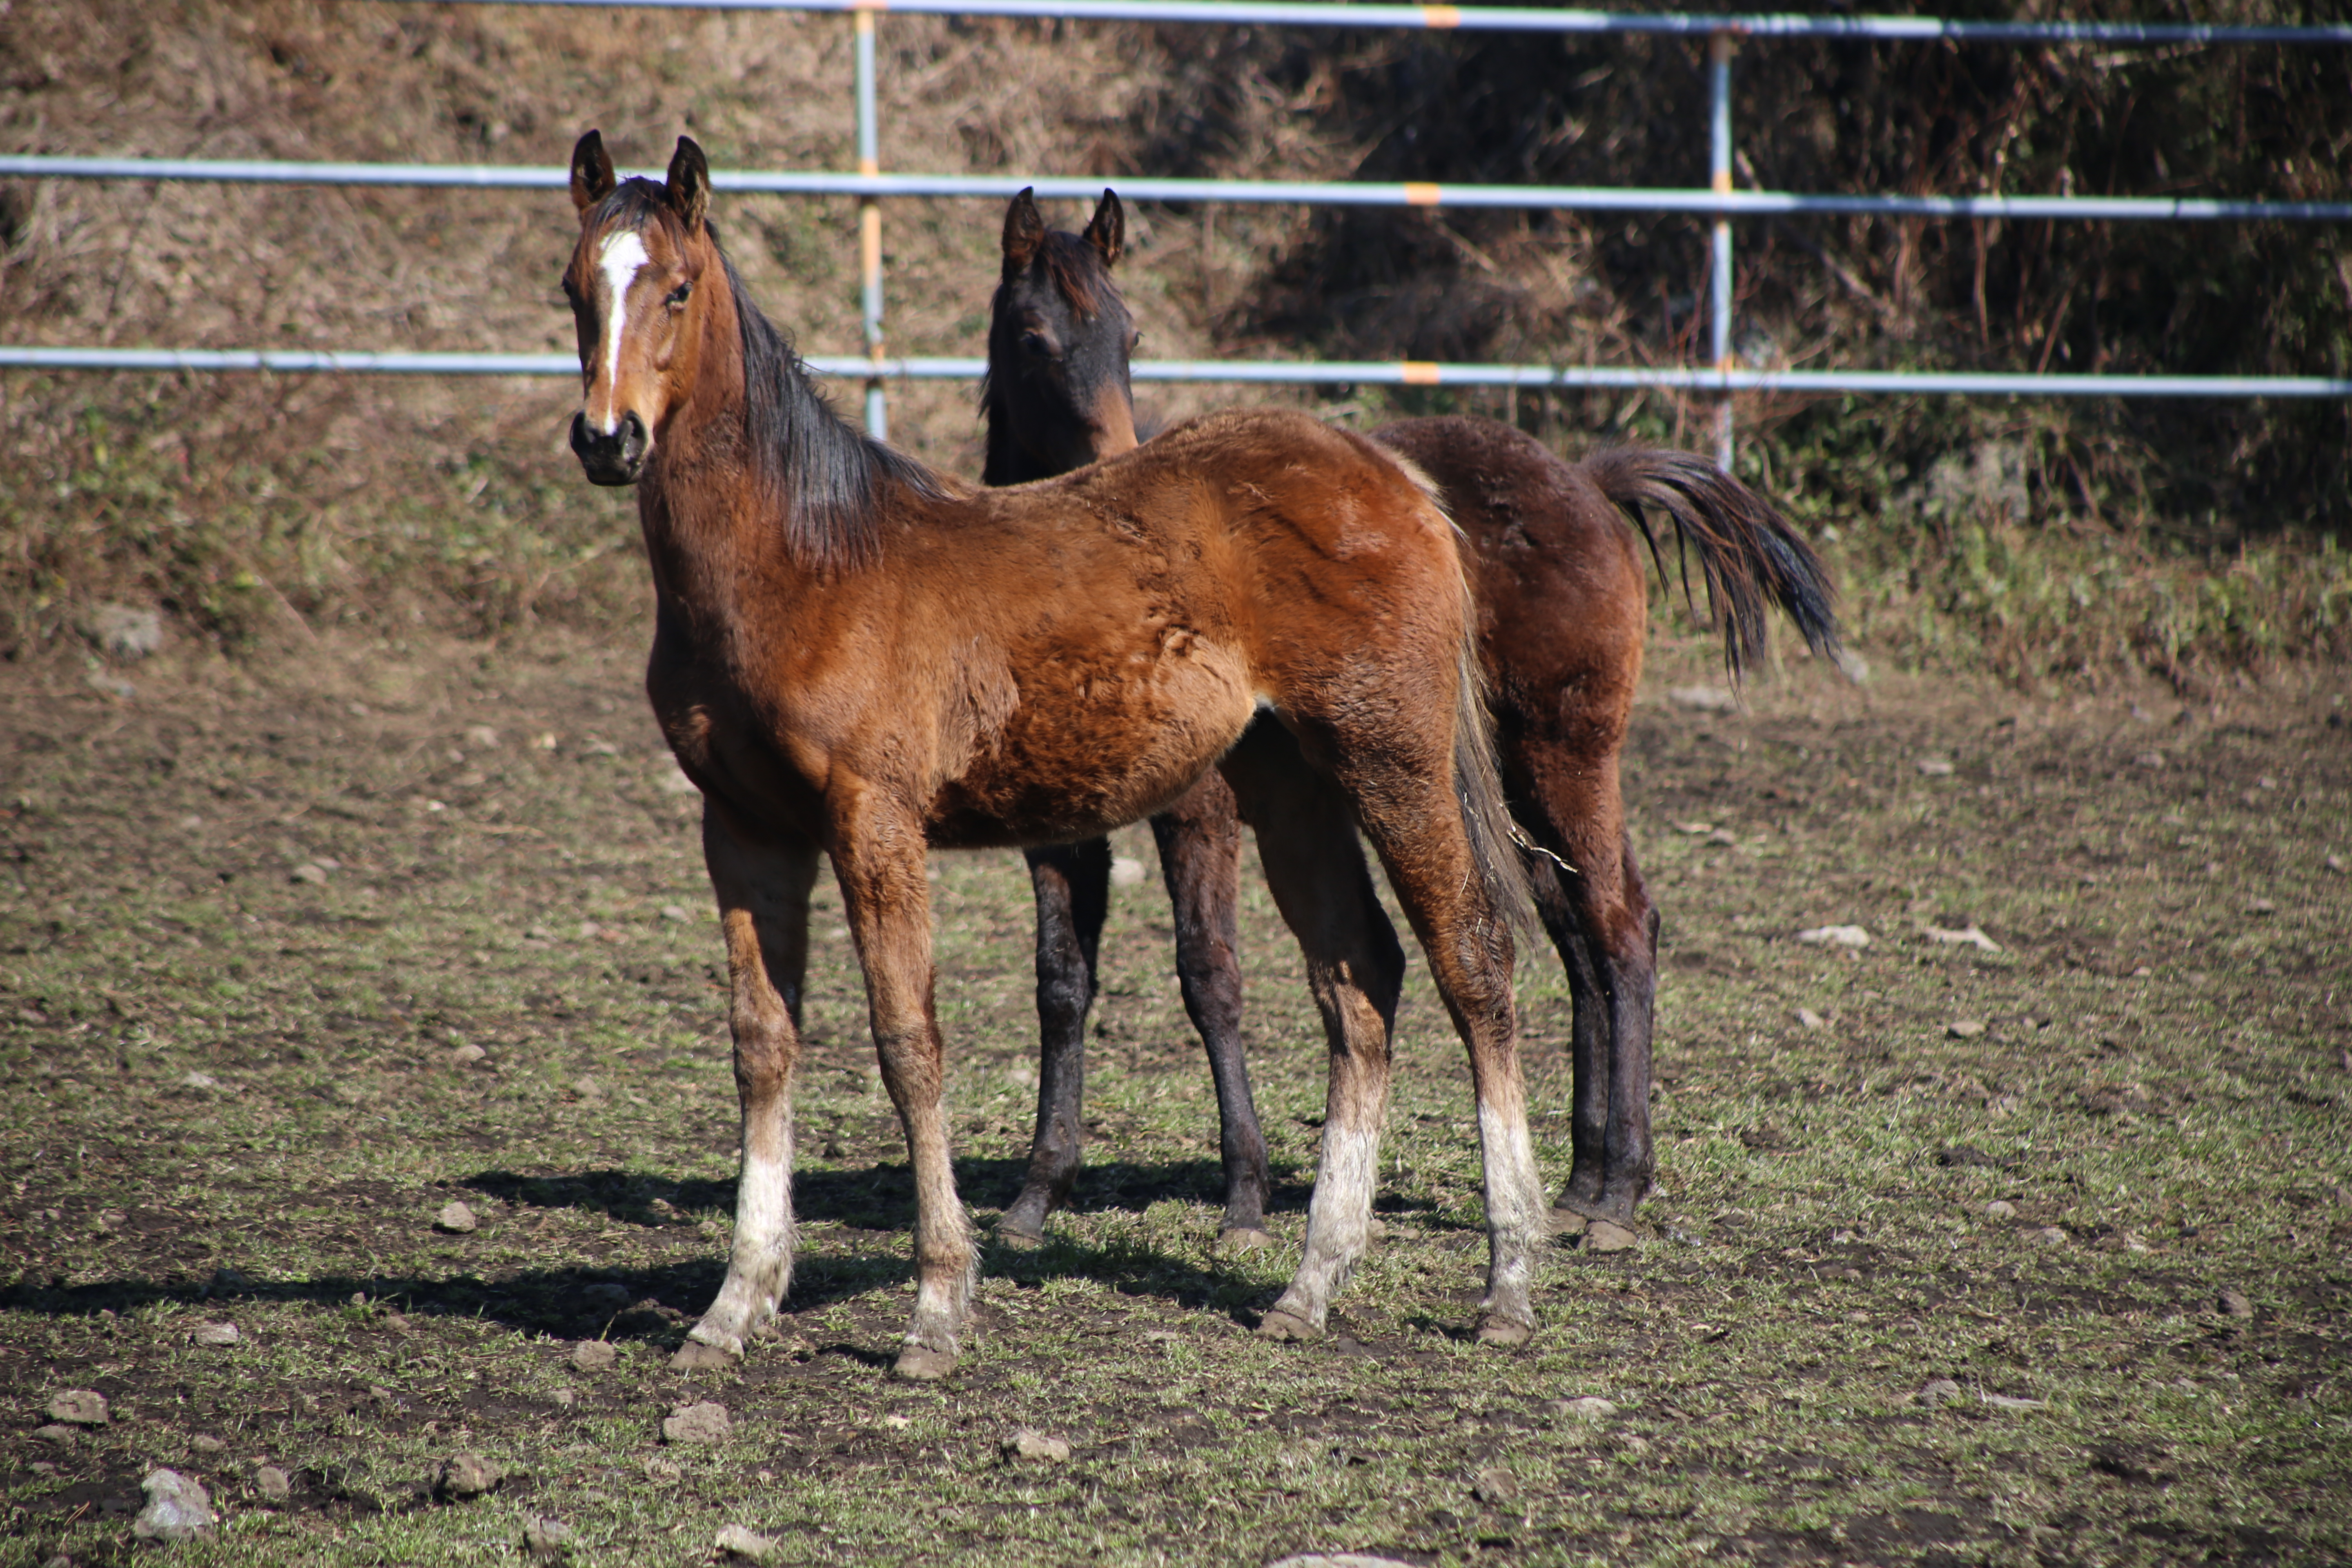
(819, 473)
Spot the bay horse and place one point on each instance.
(855, 656)
(1562, 606)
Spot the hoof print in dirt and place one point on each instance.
(737, 1545)
(466, 1476)
(177, 1508)
(1036, 1448)
(706, 1422)
(547, 1540)
(78, 1407)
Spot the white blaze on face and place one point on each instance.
(622, 256)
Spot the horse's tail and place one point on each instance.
(1747, 551)
(1478, 785)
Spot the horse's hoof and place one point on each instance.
(1565, 1223)
(1243, 1238)
(1018, 1239)
(1278, 1325)
(1607, 1235)
(696, 1356)
(921, 1363)
(1505, 1334)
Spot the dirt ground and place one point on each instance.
(295, 952)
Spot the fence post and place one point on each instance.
(869, 228)
(1719, 44)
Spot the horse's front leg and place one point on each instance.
(764, 894)
(1073, 886)
(1199, 839)
(878, 856)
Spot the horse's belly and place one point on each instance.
(1095, 745)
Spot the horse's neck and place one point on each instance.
(701, 504)
(1007, 464)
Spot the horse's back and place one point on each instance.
(1563, 604)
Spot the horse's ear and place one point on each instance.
(1107, 231)
(592, 171)
(689, 184)
(1025, 230)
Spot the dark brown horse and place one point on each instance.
(856, 658)
(1562, 609)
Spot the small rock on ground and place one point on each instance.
(745, 1545)
(1808, 1019)
(1965, 1028)
(80, 1407)
(457, 1219)
(1703, 698)
(467, 1054)
(1939, 1390)
(594, 1355)
(274, 1484)
(2236, 1305)
(1836, 936)
(706, 1422)
(2011, 1402)
(467, 1476)
(215, 1334)
(2052, 1235)
(2000, 1208)
(1589, 1407)
(177, 1508)
(546, 1540)
(1935, 767)
(205, 1443)
(1038, 1447)
(55, 1433)
(126, 631)
(1970, 935)
(1495, 1485)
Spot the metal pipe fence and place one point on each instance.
(1718, 202)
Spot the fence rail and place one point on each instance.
(1718, 202)
(1302, 193)
(1280, 373)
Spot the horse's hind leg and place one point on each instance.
(763, 891)
(1600, 919)
(1355, 969)
(879, 856)
(1413, 819)
(1200, 840)
(1072, 882)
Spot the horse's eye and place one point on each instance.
(678, 296)
(570, 293)
(1135, 344)
(1036, 343)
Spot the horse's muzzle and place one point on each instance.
(615, 459)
